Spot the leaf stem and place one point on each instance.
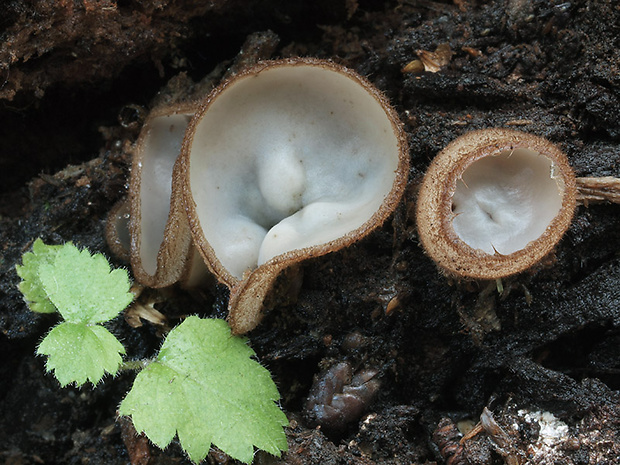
(134, 365)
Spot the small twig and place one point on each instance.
(598, 190)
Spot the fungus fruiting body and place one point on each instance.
(117, 230)
(287, 160)
(494, 202)
(160, 248)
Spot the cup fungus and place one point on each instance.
(161, 251)
(494, 202)
(286, 160)
(117, 230)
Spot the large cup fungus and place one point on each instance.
(494, 202)
(287, 160)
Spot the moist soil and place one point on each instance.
(77, 78)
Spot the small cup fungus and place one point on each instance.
(287, 160)
(494, 202)
(160, 249)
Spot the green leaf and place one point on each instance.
(78, 352)
(82, 286)
(205, 387)
(31, 286)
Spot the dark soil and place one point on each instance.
(76, 78)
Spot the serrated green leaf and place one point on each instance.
(205, 387)
(82, 286)
(78, 352)
(31, 286)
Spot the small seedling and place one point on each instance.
(203, 386)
